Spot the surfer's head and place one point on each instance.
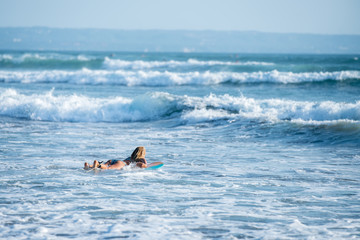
(138, 153)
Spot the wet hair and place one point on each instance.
(138, 153)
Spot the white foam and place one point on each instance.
(290, 77)
(158, 78)
(64, 108)
(5, 57)
(33, 56)
(83, 58)
(139, 64)
(273, 109)
(158, 105)
(236, 63)
(342, 125)
(43, 57)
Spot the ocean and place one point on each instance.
(255, 146)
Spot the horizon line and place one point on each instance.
(181, 30)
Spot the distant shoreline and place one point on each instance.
(2, 51)
(186, 41)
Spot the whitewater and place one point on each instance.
(263, 146)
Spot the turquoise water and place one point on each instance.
(254, 146)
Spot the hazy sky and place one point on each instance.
(292, 16)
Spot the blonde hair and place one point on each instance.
(138, 153)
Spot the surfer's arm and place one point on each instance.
(127, 161)
(141, 165)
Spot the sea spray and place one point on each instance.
(161, 105)
(158, 78)
(139, 64)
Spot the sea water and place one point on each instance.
(255, 146)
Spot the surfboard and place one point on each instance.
(154, 165)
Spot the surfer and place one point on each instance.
(138, 157)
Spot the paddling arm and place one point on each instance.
(141, 165)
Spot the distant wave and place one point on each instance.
(36, 57)
(186, 109)
(67, 60)
(49, 61)
(139, 64)
(157, 78)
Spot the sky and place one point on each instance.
(280, 16)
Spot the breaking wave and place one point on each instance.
(158, 78)
(36, 57)
(184, 109)
(49, 61)
(139, 64)
(73, 61)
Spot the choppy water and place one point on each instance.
(254, 146)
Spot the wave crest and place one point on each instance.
(157, 78)
(159, 105)
(139, 64)
(37, 57)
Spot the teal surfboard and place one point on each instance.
(154, 165)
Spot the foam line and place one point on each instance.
(160, 105)
(158, 78)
